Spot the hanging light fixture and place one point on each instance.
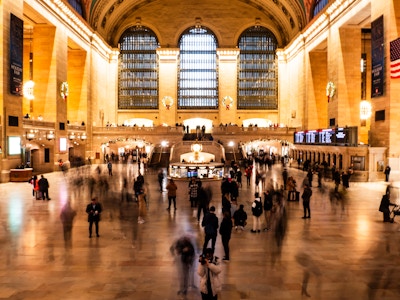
(29, 85)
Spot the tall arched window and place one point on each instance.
(77, 5)
(257, 76)
(318, 6)
(198, 76)
(138, 69)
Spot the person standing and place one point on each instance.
(225, 230)
(193, 191)
(387, 173)
(209, 270)
(94, 210)
(306, 196)
(210, 224)
(67, 216)
(44, 187)
(256, 209)
(160, 177)
(171, 188)
(109, 167)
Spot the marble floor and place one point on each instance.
(344, 251)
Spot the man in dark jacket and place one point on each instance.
(94, 210)
(210, 224)
(240, 218)
(44, 187)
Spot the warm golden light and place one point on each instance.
(365, 110)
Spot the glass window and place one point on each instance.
(318, 6)
(138, 69)
(77, 6)
(257, 73)
(198, 75)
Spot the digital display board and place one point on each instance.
(344, 136)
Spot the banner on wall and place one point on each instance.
(378, 58)
(16, 54)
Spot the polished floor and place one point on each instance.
(344, 251)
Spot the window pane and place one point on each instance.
(198, 78)
(257, 77)
(138, 69)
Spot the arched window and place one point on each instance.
(318, 6)
(257, 72)
(77, 5)
(138, 69)
(198, 75)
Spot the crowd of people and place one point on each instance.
(267, 209)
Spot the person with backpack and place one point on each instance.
(256, 209)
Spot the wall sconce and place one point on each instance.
(72, 136)
(50, 136)
(365, 110)
(30, 135)
(83, 136)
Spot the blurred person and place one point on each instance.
(268, 204)
(210, 224)
(67, 216)
(171, 193)
(44, 188)
(110, 167)
(285, 176)
(225, 230)
(256, 209)
(209, 270)
(309, 267)
(142, 207)
(160, 177)
(280, 226)
(35, 187)
(204, 198)
(240, 218)
(94, 210)
(306, 196)
(226, 203)
(384, 207)
(184, 250)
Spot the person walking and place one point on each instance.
(203, 202)
(256, 209)
(384, 207)
(44, 187)
(387, 173)
(67, 216)
(225, 230)
(160, 177)
(210, 224)
(306, 196)
(94, 210)
(184, 250)
(109, 167)
(268, 204)
(208, 271)
(171, 193)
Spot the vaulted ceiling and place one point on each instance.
(169, 18)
